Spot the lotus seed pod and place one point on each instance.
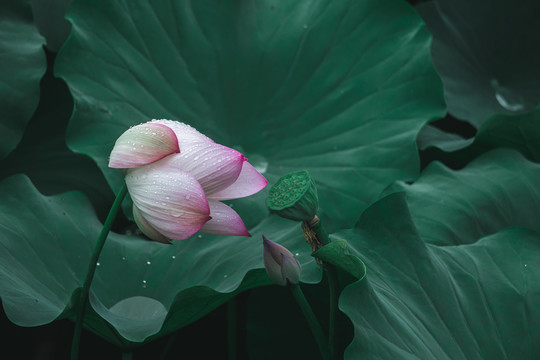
(294, 196)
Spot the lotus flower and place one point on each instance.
(177, 178)
(280, 264)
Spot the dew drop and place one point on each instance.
(174, 257)
(148, 263)
(259, 163)
(98, 264)
(296, 254)
(199, 236)
(506, 98)
(225, 276)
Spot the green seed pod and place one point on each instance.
(294, 196)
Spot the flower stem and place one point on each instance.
(312, 321)
(332, 277)
(85, 290)
(334, 295)
(127, 355)
(232, 328)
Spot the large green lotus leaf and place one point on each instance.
(487, 55)
(423, 301)
(496, 190)
(520, 132)
(142, 289)
(22, 61)
(339, 88)
(42, 153)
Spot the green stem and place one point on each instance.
(127, 355)
(232, 328)
(333, 287)
(168, 345)
(83, 295)
(334, 295)
(312, 321)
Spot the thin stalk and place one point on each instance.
(333, 287)
(312, 321)
(83, 295)
(334, 295)
(127, 355)
(232, 328)
(167, 348)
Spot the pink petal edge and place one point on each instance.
(249, 182)
(225, 221)
(143, 144)
(215, 166)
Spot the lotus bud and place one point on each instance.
(294, 196)
(281, 266)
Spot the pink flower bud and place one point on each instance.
(177, 176)
(281, 266)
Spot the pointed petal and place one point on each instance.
(146, 228)
(225, 221)
(143, 144)
(170, 199)
(249, 182)
(214, 166)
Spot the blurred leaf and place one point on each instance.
(496, 190)
(431, 136)
(487, 55)
(319, 85)
(520, 132)
(49, 16)
(43, 155)
(23, 63)
(422, 301)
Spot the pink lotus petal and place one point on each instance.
(170, 199)
(186, 134)
(214, 166)
(249, 182)
(225, 221)
(146, 228)
(143, 144)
